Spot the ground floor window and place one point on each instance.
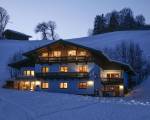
(45, 85)
(82, 85)
(63, 85)
(31, 85)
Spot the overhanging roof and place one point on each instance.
(107, 63)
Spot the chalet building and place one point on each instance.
(66, 67)
(15, 35)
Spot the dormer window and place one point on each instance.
(56, 53)
(82, 53)
(72, 53)
(45, 54)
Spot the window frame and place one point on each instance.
(63, 85)
(29, 73)
(64, 71)
(55, 53)
(82, 86)
(68, 52)
(82, 68)
(44, 69)
(46, 85)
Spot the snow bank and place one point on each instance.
(55, 106)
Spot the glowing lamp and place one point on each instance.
(90, 83)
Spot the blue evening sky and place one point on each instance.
(73, 17)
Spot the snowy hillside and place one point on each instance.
(113, 38)
(8, 48)
(54, 106)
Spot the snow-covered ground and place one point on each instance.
(23, 105)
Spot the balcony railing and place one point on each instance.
(61, 75)
(64, 59)
(111, 80)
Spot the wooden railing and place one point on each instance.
(111, 80)
(61, 75)
(64, 59)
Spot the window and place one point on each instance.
(82, 68)
(63, 85)
(72, 53)
(28, 73)
(82, 53)
(63, 69)
(112, 75)
(45, 69)
(82, 85)
(45, 85)
(45, 54)
(56, 53)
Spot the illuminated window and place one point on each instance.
(72, 53)
(45, 54)
(63, 69)
(45, 85)
(82, 68)
(112, 75)
(82, 53)
(63, 85)
(56, 53)
(82, 85)
(45, 69)
(28, 73)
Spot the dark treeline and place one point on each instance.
(119, 20)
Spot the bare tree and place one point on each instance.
(47, 29)
(4, 18)
(16, 57)
(52, 27)
(43, 29)
(140, 20)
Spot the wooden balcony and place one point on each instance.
(111, 81)
(62, 75)
(64, 59)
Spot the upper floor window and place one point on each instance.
(63, 85)
(63, 69)
(28, 73)
(45, 69)
(82, 53)
(82, 85)
(45, 54)
(82, 68)
(72, 53)
(56, 53)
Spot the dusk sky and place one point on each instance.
(73, 17)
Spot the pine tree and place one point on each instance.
(113, 23)
(99, 24)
